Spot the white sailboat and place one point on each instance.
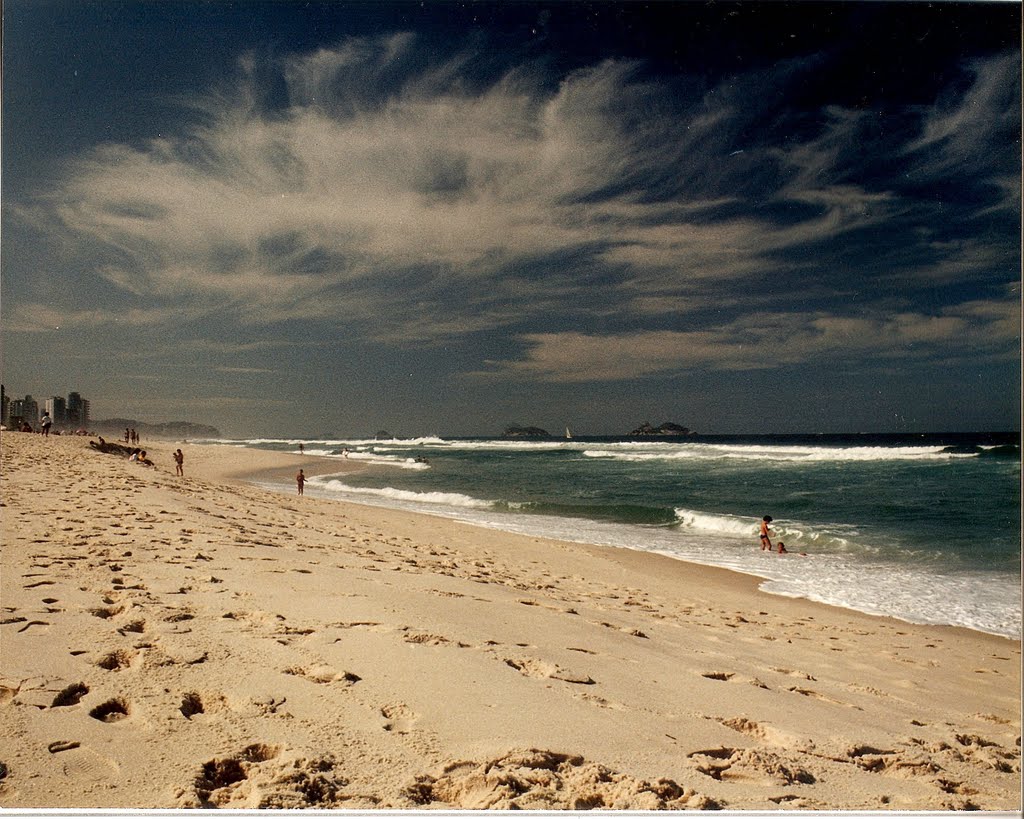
(568, 434)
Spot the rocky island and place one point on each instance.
(525, 432)
(667, 428)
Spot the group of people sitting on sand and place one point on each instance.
(136, 455)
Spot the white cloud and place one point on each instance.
(392, 197)
(967, 127)
(766, 341)
(42, 318)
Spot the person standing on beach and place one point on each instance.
(179, 463)
(45, 423)
(766, 541)
(300, 480)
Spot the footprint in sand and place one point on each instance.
(86, 764)
(62, 745)
(105, 613)
(116, 660)
(767, 733)
(113, 710)
(546, 780)
(191, 704)
(7, 694)
(322, 674)
(71, 695)
(134, 627)
(542, 670)
(426, 639)
(399, 718)
(259, 778)
(601, 702)
(750, 765)
(817, 695)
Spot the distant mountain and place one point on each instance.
(667, 428)
(170, 429)
(525, 432)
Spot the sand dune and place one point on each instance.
(198, 642)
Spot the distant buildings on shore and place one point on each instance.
(70, 413)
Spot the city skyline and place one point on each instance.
(281, 219)
(69, 412)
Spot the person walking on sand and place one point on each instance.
(766, 541)
(45, 423)
(300, 480)
(179, 463)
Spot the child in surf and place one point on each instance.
(766, 541)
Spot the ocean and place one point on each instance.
(922, 527)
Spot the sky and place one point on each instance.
(332, 218)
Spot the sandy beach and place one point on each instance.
(201, 642)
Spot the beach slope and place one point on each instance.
(200, 642)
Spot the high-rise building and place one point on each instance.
(75, 411)
(24, 409)
(72, 412)
(57, 407)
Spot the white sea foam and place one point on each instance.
(387, 460)
(835, 537)
(403, 496)
(633, 450)
(803, 454)
(332, 442)
(372, 458)
(719, 524)
(511, 445)
(907, 592)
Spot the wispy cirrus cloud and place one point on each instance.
(962, 130)
(401, 200)
(42, 318)
(766, 341)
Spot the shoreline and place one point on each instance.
(307, 653)
(322, 465)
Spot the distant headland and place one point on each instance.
(170, 429)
